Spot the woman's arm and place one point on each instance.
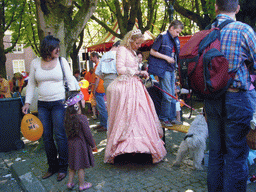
(68, 74)
(121, 59)
(31, 82)
(31, 86)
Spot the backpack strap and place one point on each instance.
(224, 23)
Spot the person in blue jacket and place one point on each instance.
(162, 63)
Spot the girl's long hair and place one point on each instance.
(72, 124)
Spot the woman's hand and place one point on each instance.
(144, 74)
(25, 108)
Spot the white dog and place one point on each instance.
(194, 142)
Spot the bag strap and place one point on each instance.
(62, 69)
(224, 23)
(65, 82)
(64, 76)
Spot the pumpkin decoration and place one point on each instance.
(31, 127)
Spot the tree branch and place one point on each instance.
(103, 24)
(9, 49)
(79, 21)
(201, 22)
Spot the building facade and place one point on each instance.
(19, 60)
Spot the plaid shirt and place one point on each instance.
(238, 43)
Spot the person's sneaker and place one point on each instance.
(166, 123)
(176, 122)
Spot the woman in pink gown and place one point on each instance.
(133, 125)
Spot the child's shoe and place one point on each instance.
(85, 186)
(70, 185)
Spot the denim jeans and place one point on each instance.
(168, 104)
(99, 97)
(252, 96)
(228, 121)
(52, 116)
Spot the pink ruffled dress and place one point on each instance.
(133, 125)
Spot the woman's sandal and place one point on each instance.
(85, 186)
(70, 185)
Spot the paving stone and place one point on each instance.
(107, 177)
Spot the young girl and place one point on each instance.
(80, 141)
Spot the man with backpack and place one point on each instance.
(229, 115)
(162, 63)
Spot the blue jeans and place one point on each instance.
(228, 121)
(252, 96)
(168, 104)
(99, 97)
(52, 116)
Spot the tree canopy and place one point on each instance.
(31, 20)
(11, 18)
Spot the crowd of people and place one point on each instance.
(127, 111)
(13, 87)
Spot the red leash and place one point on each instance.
(175, 98)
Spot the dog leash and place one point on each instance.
(175, 98)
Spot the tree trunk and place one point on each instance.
(58, 19)
(2, 53)
(2, 59)
(75, 61)
(75, 51)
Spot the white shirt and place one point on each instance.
(49, 82)
(107, 64)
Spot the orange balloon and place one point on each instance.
(182, 104)
(31, 127)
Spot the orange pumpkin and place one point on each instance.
(31, 127)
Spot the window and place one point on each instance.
(18, 48)
(18, 66)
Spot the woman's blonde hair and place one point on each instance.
(131, 36)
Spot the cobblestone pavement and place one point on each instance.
(107, 177)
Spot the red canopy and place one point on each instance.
(103, 47)
(146, 46)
